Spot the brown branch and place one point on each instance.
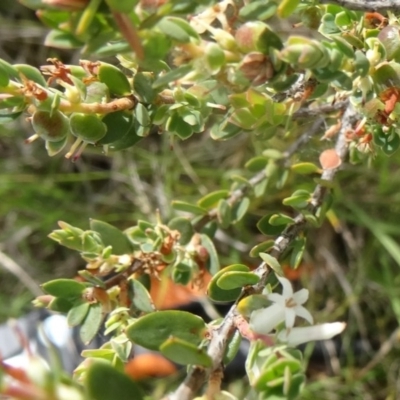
(307, 112)
(221, 335)
(129, 32)
(124, 103)
(366, 5)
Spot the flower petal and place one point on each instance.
(304, 313)
(277, 298)
(297, 336)
(287, 290)
(265, 320)
(301, 296)
(290, 316)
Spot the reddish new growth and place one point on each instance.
(56, 71)
(375, 20)
(32, 89)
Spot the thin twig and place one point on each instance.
(218, 342)
(306, 112)
(333, 264)
(383, 351)
(11, 266)
(366, 5)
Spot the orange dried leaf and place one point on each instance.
(329, 159)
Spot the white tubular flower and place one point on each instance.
(296, 336)
(286, 307)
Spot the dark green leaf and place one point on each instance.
(140, 297)
(266, 228)
(105, 382)
(65, 288)
(184, 227)
(152, 330)
(111, 236)
(77, 313)
(220, 295)
(118, 125)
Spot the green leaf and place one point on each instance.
(50, 126)
(87, 276)
(142, 115)
(128, 140)
(185, 353)
(152, 330)
(299, 199)
(7, 117)
(111, 236)
(272, 262)
(261, 247)
(214, 57)
(258, 10)
(62, 40)
(105, 382)
(60, 304)
(213, 265)
(266, 228)
(305, 168)
(297, 252)
(118, 125)
(115, 79)
(287, 8)
(256, 164)
(188, 207)
(239, 209)
(9, 69)
(237, 279)
(232, 348)
(280, 219)
(4, 77)
(177, 29)
(31, 73)
(65, 288)
(224, 214)
(140, 297)
(87, 127)
(184, 227)
(217, 294)
(142, 87)
(172, 75)
(91, 324)
(77, 313)
(211, 199)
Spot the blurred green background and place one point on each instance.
(351, 265)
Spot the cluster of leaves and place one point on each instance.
(223, 71)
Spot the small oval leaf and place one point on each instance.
(152, 330)
(111, 236)
(272, 262)
(236, 279)
(91, 323)
(185, 353)
(65, 288)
